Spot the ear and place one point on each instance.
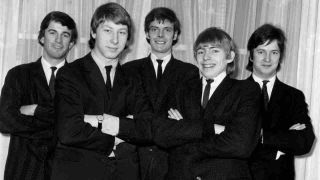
(94, 35)
(175, 35)
(42, 40)
(231, 58)
(147, 35)
(250, 58)
(71, 45)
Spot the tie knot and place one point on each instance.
(159, 61)
(265, 82)
(53, 68)
(209, 81)
(108, 68)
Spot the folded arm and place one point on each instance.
(298, 138)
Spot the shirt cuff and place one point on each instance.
(111, 126)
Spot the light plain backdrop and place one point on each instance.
(20, 22)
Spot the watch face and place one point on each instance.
(100, 118)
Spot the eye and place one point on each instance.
(107, 30)
(52, 32)
(275, 52)
(200, 52)
(169, 30)
(123, 33)
(153, 29)
(66, 35)
(215, 50)
(259, 52)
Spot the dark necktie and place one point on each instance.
(159, 71)
(52, 80)
(265, 94)
(108, 82)
(206, 93)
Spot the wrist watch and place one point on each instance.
(100, 120)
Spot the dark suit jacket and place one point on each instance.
(82, 150)
(286, 107)
(234, 104)
(31, 137)
(153, 160)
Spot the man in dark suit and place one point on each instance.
(227, 109)
(91, 89)
(160, 74)
(286, 128)
(26, 104)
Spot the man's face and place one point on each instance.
(56, 42)
(161, 35)
(212, 60)
(266, 59)
(110, 40)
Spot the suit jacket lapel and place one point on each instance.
(218, 95)
(38, 76)
(119, 83)
(274, 108)
(95, 81)
(149, 76)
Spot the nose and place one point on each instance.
(267, 57)
(160, 33)
(115, 39)
(58, 38)
(206, 55)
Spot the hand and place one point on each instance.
(218, 128)
(110, 124)
(91, 119)
(174, 114)
(28, 109)
(298, 127)
(129, 116)
(279, 153)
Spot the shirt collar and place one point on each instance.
(47, 65)
(165, 59)
(259, 80)
(101, 63)
(217, 80)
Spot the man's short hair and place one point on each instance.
(221, 39)
(62, 18)
(111, 12)
(266, 33)
(161, 14)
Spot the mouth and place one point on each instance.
(160, 42)
(208, 65)
(57, 47)
(266, 65)
(113, 48)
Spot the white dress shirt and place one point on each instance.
(213, 86)
(165, 59)
(46, 66)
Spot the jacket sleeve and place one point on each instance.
(149, 128)
(11, 120)
(70, 109)
(295, 142)
(241, 133)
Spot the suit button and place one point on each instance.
(198, 178)
(150, 149)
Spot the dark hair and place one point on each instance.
(161, 14)
(113, 12)
(62, 18)
(266, 33)
(220, 38)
